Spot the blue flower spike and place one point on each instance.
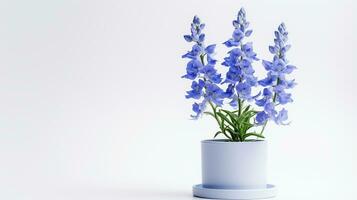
(276, 82)
(240, 107)
(239, 60)
(201, 70)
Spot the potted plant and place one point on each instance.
(242, 105)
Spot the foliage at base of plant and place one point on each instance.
(235, 125)
(239, 123)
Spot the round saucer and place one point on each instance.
(211, 193)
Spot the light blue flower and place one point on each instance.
(239, 60)
(196, 92)
(269, 108)
(267, 95)
(210, 73)
(229, 91)
(194, 53)
(248, 51)
(198, 109)
(210, 49)
(269, 80)
(240, 78)
(201, 70)
(214, 94)
(244, 90)
(281, 117)
(276, 80)
(261, 117)
(237, 36)
(284, 98)
(192, 69)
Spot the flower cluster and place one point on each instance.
(240, 75)
(276, 83)
(201, 70)
(241, 121)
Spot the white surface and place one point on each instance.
(92, 106)
(269, 191)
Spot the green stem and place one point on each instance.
(265, 124)
(202, 56)
(277, 83)
(214, 111)
(274, 97)
(240, 104)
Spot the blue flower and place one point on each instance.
(196, 31)
(261, 102)
(210, 49)
(240, 78)
(267, 94)
(233, 76)
(284, 98)
(248, 50)
(194, 53)
(196, 91)
(268, 81)
(237, 36)
(232, 59)
(267, 65)
(198, 109)
(281, 117)
(246, 66)
(210, 73)
(239, 60)
(244, 90)
(201, 70)
(214, 94)
(234, 101)
(269, 108)
(261, 117)
(288, 69)
(196, 20)
(230, 91)
(276, 80)
(240, 25)
(192, 69)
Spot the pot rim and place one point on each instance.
(226, 141)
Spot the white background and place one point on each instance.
(92, 105)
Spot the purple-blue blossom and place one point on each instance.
(240, 76)
(197, 90)
(276, 82)
(249, 108)
(201, 70)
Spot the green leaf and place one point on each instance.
(224, 118)
(218, 132)
(246, 117)
(246, 109)
(232, 116)
(222, 132)
(209, 113)
(245, 128)
(229, 129)
(252, 134)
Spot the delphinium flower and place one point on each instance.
(240, 76)
(275, 84)
(201, 70)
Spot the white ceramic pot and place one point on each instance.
(234, 165)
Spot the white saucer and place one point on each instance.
(261, 193)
